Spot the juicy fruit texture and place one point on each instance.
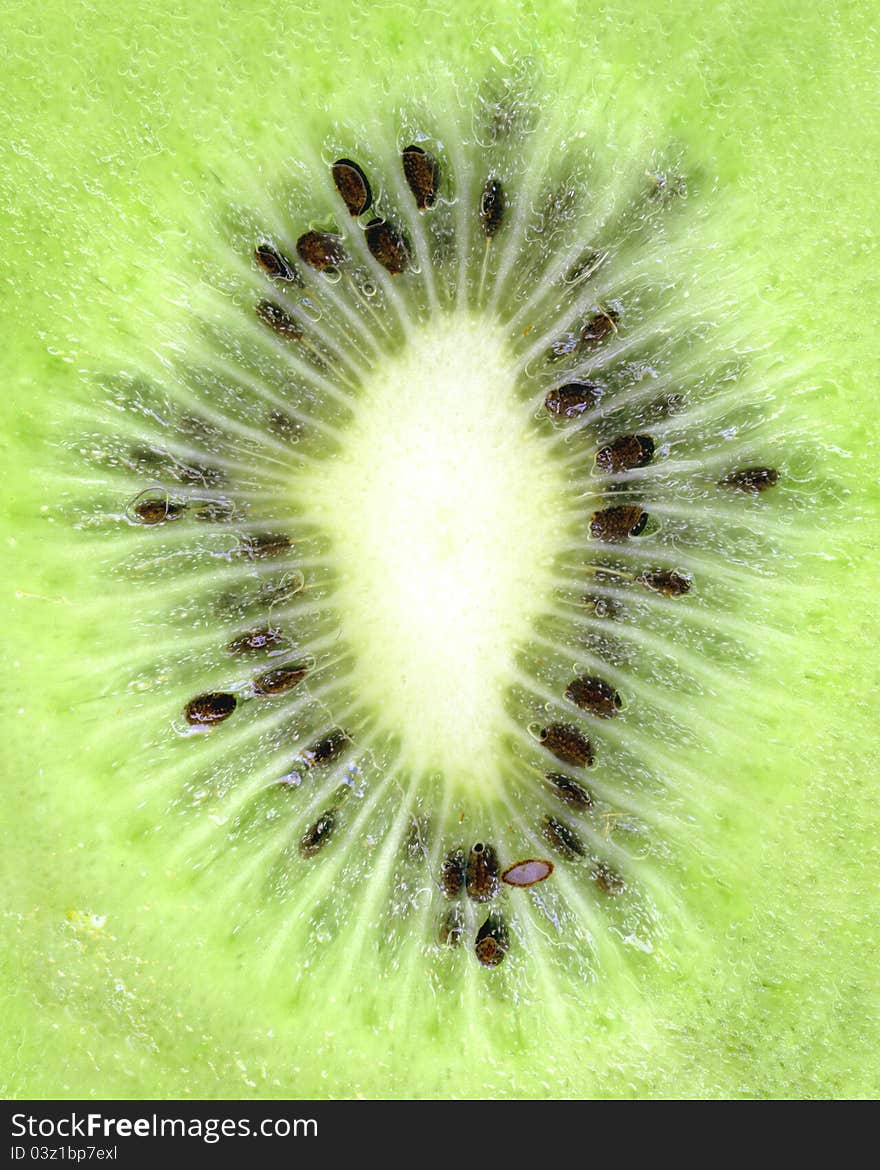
(432, 534)
(353, 945)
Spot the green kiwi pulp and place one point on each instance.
(438, 604)
(446, 505)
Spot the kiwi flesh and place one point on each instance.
(256, 436)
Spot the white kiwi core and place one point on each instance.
(446, 514)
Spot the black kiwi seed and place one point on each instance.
(608, 880)
(321, 250)
(387, 245)
(569, 791)
(279, 680)
(594, 695)
(279, 321)
(263, 545)
(573, 398)
(562, 838)
(492, 942)
(328, 747)
(567, 744)
(615, 525)
(318, 834)
(276, 265)
(157, 510)
(598, 327)
(626, 453)
(213, 707)
(492, 207)
(452, 872)
(353, 185)
(751, 479)
(482, 873)
(451, 927)
(252, 641)
(422, 173)
(666, 581)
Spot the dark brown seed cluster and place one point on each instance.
(567, 744)
(573, 398)
(625, 453)
(482, 873)
(751, 479)
(422, 174)
(618, 523)
(478, 875)
(594, 695)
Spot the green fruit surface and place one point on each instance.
(119, 129)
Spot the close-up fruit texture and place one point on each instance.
(439, 520)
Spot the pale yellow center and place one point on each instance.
(446, 512)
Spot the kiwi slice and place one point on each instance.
(424, 568)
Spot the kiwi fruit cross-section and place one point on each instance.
(448, 487)
(447, 506)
